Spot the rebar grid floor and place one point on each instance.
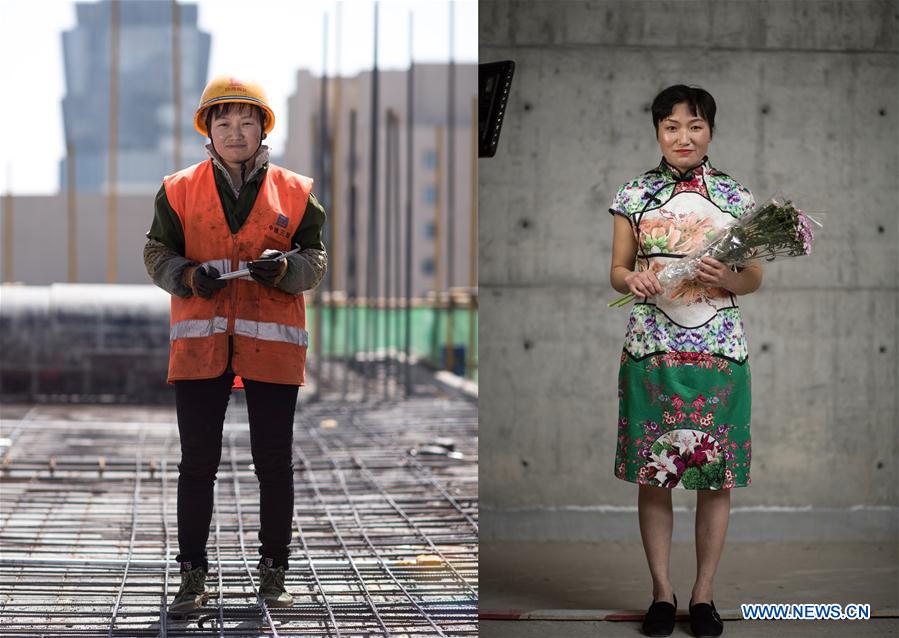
(385, 525)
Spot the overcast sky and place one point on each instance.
(286, 35)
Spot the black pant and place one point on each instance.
(201, 409)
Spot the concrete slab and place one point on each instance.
(612, 575)
(875, 628)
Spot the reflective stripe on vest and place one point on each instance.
(265, 330)
(198, 328)
(270, 331)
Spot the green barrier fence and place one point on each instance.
(430, 333)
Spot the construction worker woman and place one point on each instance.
(235, 211)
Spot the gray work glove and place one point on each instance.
(269, 268)
(203, 280)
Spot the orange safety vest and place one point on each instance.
(268, 326)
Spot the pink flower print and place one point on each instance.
(677, 402)
(699, 402)
(708, 420)
(621, 469)
(728, 455)
(733, 444)
(721, 431)
(641, 475)
(667, 418)
(728, 478)
(622, 423)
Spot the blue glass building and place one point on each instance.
(146, 95)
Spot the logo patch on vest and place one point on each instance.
(279, 227)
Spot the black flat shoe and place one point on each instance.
(659, 619)
(704, 620)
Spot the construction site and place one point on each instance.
(384, 527)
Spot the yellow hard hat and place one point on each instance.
(225, 88)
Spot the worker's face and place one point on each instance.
(684, 138)
(236, 134)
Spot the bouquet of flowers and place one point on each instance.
(774, 229)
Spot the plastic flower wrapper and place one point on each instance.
(770, 231)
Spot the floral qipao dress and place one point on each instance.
(684, 384)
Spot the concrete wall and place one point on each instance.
(807, 104)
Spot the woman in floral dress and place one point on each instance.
(684, 384)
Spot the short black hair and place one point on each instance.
(221, 110)
(699, 101)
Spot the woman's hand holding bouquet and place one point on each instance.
(770, 231)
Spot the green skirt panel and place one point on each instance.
(683, 421)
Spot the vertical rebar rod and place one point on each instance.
(351, 257)
(451, 170)
(72, 227)
(112, 153)
(397, 251)
(325, 285)
(388, 228)
(450, 323)
(451, 190)
(8, 227)
(335, 214)
(176, 83)
(371, 291)
(472, 358)
(438, 238)
(316, 293)
(410, 190)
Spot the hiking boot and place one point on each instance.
(271, 587)
(192, 594)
